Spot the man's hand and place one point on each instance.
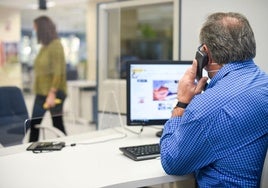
(187, 87)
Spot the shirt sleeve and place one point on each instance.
(57, 64)
(184, 147)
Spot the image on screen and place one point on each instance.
(152, 90)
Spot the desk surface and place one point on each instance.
(94, 162)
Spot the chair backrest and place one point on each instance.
(264, 177)
(13, 113)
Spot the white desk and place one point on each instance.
(84, 166)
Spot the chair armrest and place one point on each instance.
(56, 131)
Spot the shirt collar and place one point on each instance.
(227, 68)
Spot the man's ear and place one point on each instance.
(205, 49)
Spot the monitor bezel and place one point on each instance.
(128, 85)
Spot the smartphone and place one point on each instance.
(202, 61)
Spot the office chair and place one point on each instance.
(13, 113)
(43, 130)
(264, 177)
(13, 116)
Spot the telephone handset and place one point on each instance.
(202, 61)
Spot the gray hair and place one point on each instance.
(229, 37)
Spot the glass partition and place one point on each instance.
(139, 32)
(132, 30)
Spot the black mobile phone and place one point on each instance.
(202, 61)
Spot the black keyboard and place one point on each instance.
(142, 152)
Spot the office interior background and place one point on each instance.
(99, 36)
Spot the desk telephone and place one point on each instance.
(46, 146)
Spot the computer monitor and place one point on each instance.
(152, 90)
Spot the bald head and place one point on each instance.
(229, 37)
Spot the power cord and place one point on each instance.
(100, 141)
(134, 132)
(45, 147)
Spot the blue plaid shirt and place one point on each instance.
(223, 135)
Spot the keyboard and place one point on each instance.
(141, 152)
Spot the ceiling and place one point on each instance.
(68, 15)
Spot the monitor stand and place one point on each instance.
(159, 133)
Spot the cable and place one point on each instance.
(100, 141)
(71, 145)
(134, 132)
(50, 147)
(141, 130)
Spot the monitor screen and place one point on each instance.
(152, 90)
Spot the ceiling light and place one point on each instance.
(42, 4)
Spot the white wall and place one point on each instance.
(10, 24)
(195, 12)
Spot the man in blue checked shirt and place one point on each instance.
(221, 134)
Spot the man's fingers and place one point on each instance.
(201, 85)
(194, 67)
(191, 71)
